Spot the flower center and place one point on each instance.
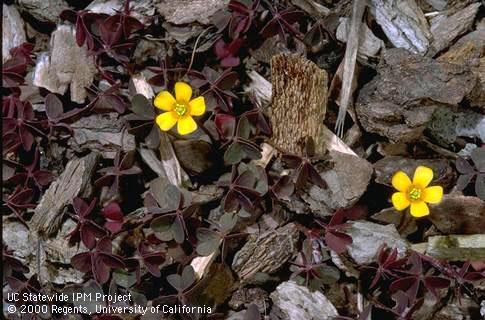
(415, 194)
(180, 108)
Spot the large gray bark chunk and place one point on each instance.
(346, 183)
(44, 10)
(66, 65)
(13, 32)
(104, 133)
(294, 302)
(266, 252)
(446, 29)
(457, 214)
(188, 11)
(404, 24)
(368, 237)
(385, 108)
(469, 50)
(73, 182)
(457, 247)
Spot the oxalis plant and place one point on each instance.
(146, 236)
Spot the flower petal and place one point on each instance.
(197, 106)
(186, 125)
(164, 100)
(419, 209)
(433, 194)
(422, 176)
(167, 120)
(400, 201)
(401, 181)
(183, 92)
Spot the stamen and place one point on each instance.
(180, 109)
(415, 194)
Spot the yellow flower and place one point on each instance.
(179, 110)
(416, 193)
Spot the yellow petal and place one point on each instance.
(419, 209)
(164, 100)
(167, 120)
(197, 106)
(183, 92)
(400, 201)
(433, 194)
(401, 181)
(422, 176)
(186, 125)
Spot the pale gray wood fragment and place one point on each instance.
(75, 181)
(446, 29)
(404, 24)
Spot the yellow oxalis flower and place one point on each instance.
(179, 110)
(415, 193)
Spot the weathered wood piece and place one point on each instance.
(106, 133)
(299, 103)
(143, 10)
(55, 253)
(347, 181)
(369, 44)
(47, 11)
(67, 65)
(187, 11)
(383, 107)
(259, 88)
(438, 4)
(330, 140)
(445, 29)
(266, 252)
(469, 50)
(404, 24)
(13, 32)
(457, 247)
(368, 237)
(295, 302)
(334, 143)
(349, 63)
(73, 182)
(457, 214)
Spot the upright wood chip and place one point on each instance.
(299, 103)
(73, 182)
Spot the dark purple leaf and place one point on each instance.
(464, 180)
(478, 157)
(480, 186)
(337, 241)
